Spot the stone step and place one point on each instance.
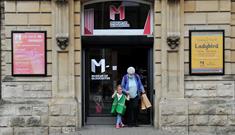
(111, 130)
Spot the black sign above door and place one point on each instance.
(117, 18)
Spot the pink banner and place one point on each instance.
(29, 53)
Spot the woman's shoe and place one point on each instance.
(122, 125)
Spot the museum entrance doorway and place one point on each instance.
(103, 69)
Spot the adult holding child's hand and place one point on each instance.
(132, 86)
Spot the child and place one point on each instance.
(118, 106)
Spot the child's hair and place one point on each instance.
(119, 85)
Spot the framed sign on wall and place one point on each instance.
(29, 53)
(206, 52)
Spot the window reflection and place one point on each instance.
(100, 82)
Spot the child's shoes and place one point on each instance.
(122, 125)
(117, 126)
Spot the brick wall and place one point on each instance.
(208, 104)
(208, 14)
(28, 107)
(26, 15)
(25, 109)
(77, 44)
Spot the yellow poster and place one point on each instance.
(207, 52)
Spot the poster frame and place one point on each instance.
(45, 54)
(190, 53)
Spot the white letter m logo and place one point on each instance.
(113, 10)
(95, 64)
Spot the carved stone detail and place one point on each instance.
(173, 41)
(62, 41)
(61, 1)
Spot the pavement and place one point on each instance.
(141, 130)
(111, 130)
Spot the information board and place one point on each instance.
(206, 52)
(28, 53)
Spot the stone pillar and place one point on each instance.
(63, 106)
(171, 91)
(63, 59)
(172, 52)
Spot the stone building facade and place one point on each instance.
(55, 103)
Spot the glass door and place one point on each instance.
(100, 81)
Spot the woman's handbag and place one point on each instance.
(145, 103)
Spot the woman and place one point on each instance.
(132, 86)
